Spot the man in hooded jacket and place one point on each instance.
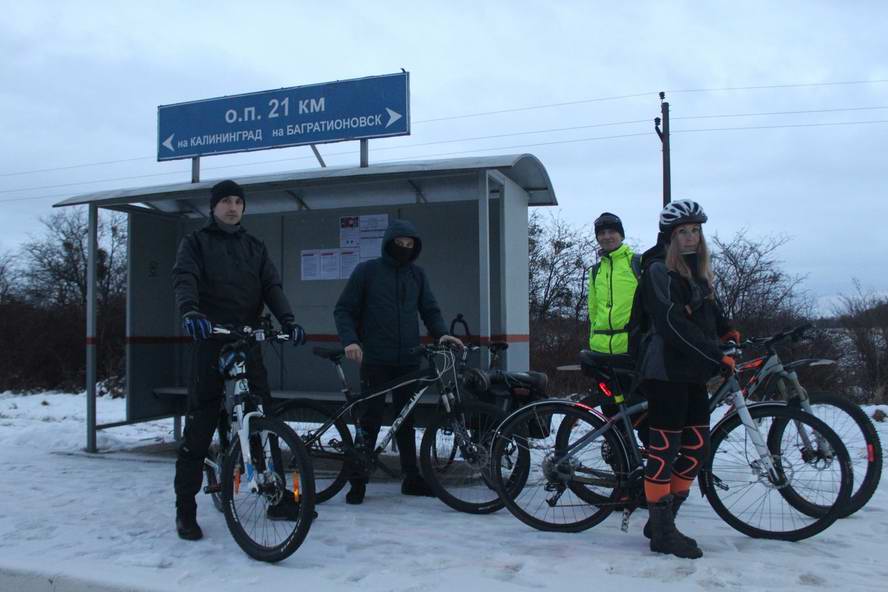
(377, 322)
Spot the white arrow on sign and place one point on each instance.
(393, 116)
(168, 143)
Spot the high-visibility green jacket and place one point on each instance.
(612, 285)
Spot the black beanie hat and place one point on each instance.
(223, 189)
(607, 220)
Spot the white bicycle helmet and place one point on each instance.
(682, 211)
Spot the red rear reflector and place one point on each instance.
(607, 392)
(870, 453)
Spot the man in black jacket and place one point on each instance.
(222, 275)
(376, 318)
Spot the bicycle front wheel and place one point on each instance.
(455, 458)
(776, 503)
(576, 467)
(269, 499)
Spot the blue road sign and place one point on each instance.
(373, 107)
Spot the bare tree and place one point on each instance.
(42, 327)
(55, 264)
(560, 258)
(7, 278)
(752, 286)
(865, 317)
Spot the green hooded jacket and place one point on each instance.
(612, 287)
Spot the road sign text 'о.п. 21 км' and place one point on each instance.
(373, 107)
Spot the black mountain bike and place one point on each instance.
(455, 449)
(774, 471)
(259, 460)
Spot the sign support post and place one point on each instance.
(365, 153)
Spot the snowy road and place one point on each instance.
(109, 519)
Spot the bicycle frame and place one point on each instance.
(427, 377)
(729, 390)
(237, 393)
(770, 366)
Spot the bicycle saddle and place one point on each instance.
(606, 361)
(328, 353)
(537, 381)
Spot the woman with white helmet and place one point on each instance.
(679, 354)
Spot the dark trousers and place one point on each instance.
(370, 413)
(205, 396)
(678, 414)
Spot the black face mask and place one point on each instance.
(400, 254)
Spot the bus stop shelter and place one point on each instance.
(470, 212)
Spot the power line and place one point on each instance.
(554, 142)
(538, 144)
(773, 86)
(525, 108)
(766, 113)
(534, 107)
(788, 125)
(76, 166)
(438, 142)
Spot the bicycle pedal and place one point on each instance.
(217, 488)
(624, 523)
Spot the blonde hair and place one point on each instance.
(675, 262)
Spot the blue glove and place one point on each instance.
(296, 333)
(196, 325)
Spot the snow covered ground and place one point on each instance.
(108, 518)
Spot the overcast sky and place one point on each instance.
(80, 83)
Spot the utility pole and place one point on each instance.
(664, 139)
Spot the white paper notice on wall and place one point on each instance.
(349, 232)
(372, 230)
(311, 265)
(330, 264)
(348, 260)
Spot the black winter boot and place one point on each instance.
(677, 501)
(186, 522)
(355, 495)
(665, 538)
(416, 485)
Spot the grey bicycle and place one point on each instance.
(774, 471)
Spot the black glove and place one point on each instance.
(196, 325)
(296, 333)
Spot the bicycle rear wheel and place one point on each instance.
(455, 458)
(329, 453)
(268, 521)
(776, 506)
(561, 492)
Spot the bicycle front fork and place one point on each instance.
(765, 460)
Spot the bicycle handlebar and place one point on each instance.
(795, 334)
(264, 332)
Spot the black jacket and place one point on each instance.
(228, 277)
(682, 344)
(378, 307)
